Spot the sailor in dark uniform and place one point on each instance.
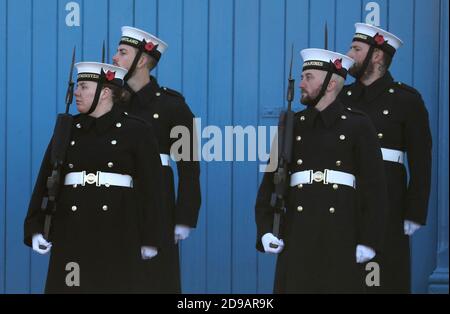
(337, 197)
(401, 120)
(108, 212)
(172, 119)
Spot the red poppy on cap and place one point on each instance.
(149, 46)
(379, 39)
(338, 64)
(110, 75)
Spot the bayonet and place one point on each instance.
(103, 52)
(69, 93)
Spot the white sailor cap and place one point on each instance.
(377, 37)
(144, 41)
(100, 72)
(325, 60)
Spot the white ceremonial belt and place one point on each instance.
(327, 176)
(99, 178)
(393, 155)
(165, 159)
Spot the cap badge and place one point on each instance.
(338, 64)
(110, 75)
(149, 46)
(379, 39)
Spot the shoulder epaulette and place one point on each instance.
(171, 92)
(406, 87)
(355, 111)
(131, 116)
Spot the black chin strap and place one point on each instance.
(316, 100)
(97, 93)
(133, 65)
(365, 64)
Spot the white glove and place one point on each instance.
(269, 238)
(364, 253)
(410, 227)
(37, 241)
(148, 252)
(181, 232)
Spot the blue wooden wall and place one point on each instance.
(230, 59)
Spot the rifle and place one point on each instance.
(60, 142)
(281, 176)
(103, 52)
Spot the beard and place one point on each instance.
(308, 99)
(355, 70)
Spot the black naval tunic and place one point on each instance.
(325, 222)
(103, 228)
(401, 120)
(165, 109)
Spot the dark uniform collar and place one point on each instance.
(149, 91)
(328, 116)
(331, 113)
(309, 114)
(86, 121)
(372, 91)
(103, 123)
